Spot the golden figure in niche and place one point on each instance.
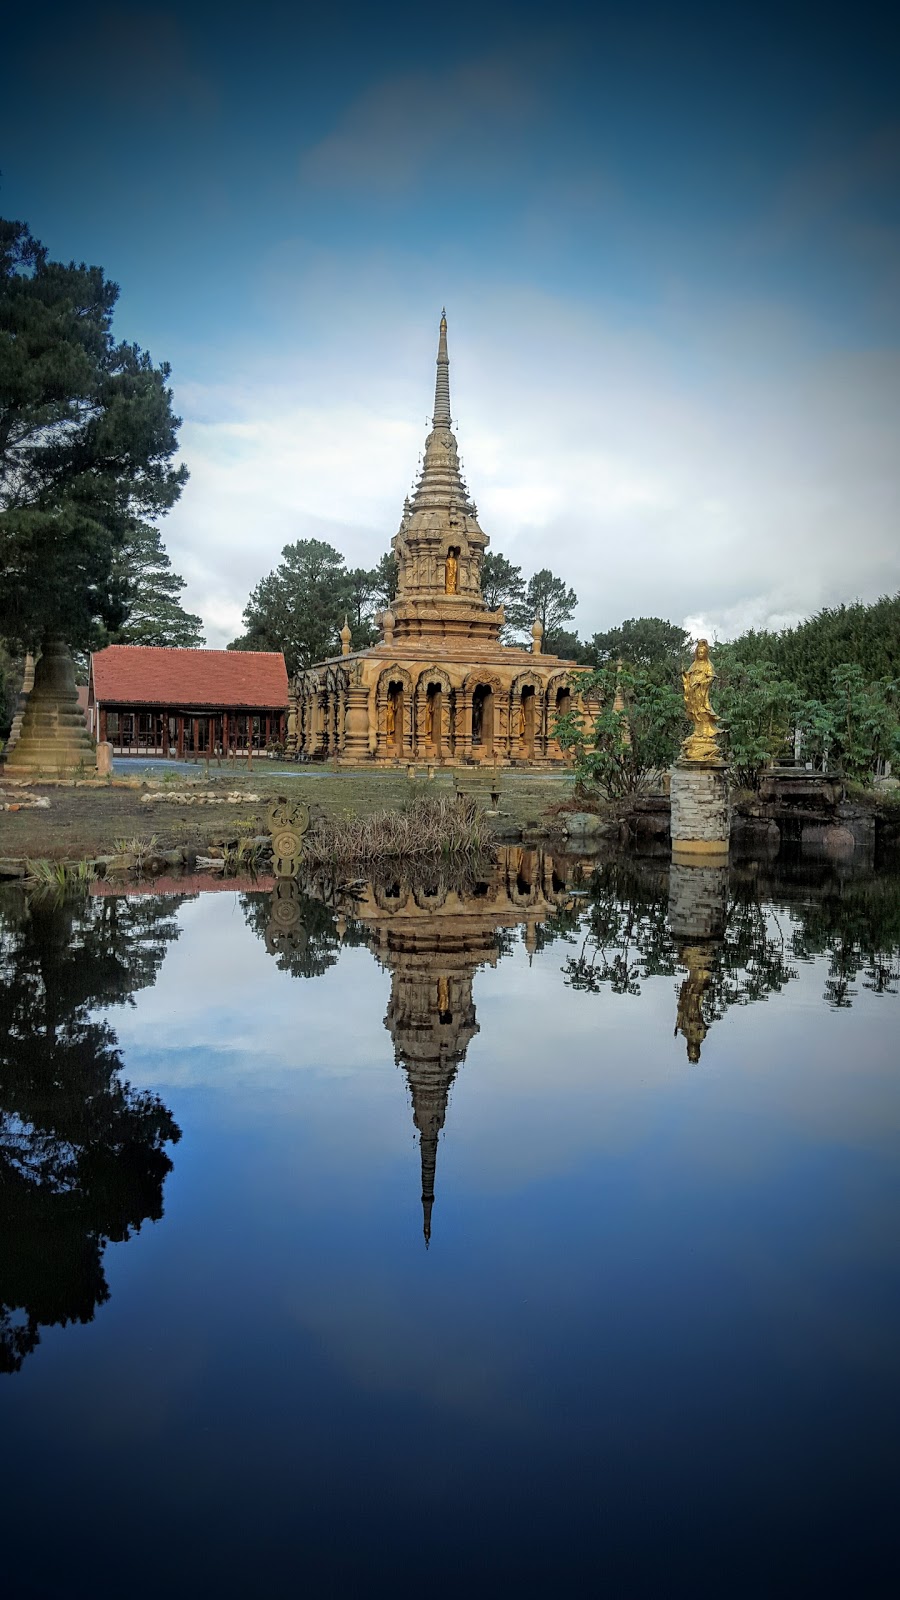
(702, 744)
(390, 717)
(451, 573)
(443, 995)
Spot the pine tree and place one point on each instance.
(154, 613)
(87, 437)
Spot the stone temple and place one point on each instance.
(438, 686)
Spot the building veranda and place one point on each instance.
(439, 686)
(150, 701)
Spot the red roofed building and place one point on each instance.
(151, 701)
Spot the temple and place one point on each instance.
(438, 686)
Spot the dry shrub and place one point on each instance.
(430, 827)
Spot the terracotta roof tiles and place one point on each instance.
(142, 675)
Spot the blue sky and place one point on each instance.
(668, 243)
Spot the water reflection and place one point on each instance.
(82, 1158)
(727, 938)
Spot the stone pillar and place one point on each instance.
(54, 740)
(701, 811)
(463, 724)
(104, 759)
(419, 746)
(356, 725)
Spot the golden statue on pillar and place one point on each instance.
(702, 744)
(451, 573)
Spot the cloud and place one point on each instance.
(722, 463)
(402, 125)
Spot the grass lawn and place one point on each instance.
(86, 822)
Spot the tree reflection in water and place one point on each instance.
(82, 1158)
(770, 925)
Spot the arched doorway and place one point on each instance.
(394, 715)
(483, 721)
(527, 713)
(434, 713)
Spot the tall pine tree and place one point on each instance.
(151, 591)
(87, 437)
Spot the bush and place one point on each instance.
(430, 827)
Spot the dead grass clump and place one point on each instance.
(430, 827)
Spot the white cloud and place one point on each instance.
(726, 467)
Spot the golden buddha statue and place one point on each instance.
(390, 717)
(702, 744)
(451, 573)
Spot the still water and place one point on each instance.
(537, 1232)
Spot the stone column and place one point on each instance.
(463, 724)
(419, 745)
(701, 811)
(356, 725)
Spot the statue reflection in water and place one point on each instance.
(82, 1154)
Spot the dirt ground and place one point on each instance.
(84, 823)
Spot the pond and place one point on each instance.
(537, 1230)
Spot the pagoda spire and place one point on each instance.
(441, 416)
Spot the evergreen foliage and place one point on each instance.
(634, 735)
(87, 437)
(642, 641)
(502, 584)
(153, 611)
(808, 654)
(548, 599)
(300, 607)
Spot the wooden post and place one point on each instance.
(268, 728)
(102, 733)
(179, 742)
(225, 732)
(195, 737)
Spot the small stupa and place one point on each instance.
(53, 740)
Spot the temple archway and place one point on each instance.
(483, 711)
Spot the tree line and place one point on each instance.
(88, 438)
(826, 691)
(300, 607)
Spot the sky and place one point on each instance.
(667, 238)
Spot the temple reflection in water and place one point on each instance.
(709, 929)
(432, 936)
(433, 939)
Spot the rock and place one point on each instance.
(586, 825)
(825, 839)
